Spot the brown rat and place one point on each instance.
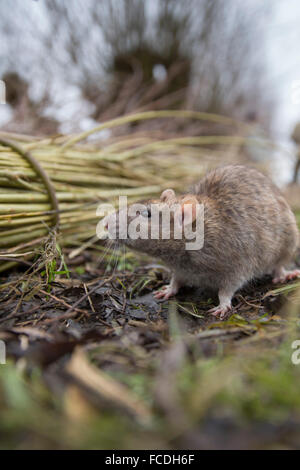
(249, 231)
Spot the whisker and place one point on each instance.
(106, 251)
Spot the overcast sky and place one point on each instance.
(283, 41)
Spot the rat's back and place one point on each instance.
(247, 220)
(227, 182)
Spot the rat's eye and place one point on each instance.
(146, 213)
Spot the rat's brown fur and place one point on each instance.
(249, 231)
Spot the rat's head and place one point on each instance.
(160, 227)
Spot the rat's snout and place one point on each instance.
(105, 222)
(108, 227)
(115, 224)
(109, 222)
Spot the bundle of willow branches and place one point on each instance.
(48, 183)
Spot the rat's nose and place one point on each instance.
(105, 222)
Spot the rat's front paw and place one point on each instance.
(220, 311)
(166, 292)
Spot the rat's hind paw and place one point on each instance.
(282, 276)
(220, 311)
(166, 292)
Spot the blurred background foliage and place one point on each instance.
(131, 55)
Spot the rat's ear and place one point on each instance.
(168, 195)
(187, 210)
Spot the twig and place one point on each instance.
(63, 302)
(89, 298)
